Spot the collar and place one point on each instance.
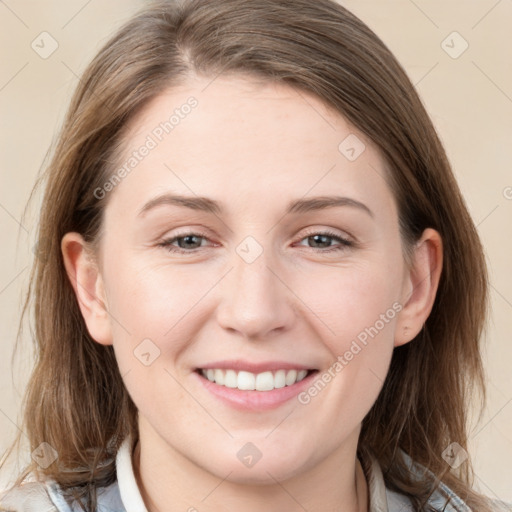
(128, 488)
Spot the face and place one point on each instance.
(255, 281)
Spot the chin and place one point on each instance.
(266, 470)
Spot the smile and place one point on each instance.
(244, 380)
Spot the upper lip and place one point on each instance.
(252, 367)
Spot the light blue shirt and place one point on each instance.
(124, 494)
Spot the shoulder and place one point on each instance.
(48, 497)
(444, 498)
(400, 503)
(26, 497)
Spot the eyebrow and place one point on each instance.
(211, 206)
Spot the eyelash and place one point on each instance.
(344, 243)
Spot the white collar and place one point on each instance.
(128, 488)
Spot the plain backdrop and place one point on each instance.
(464, 79)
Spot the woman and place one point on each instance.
(255, 369)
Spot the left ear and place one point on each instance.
(421, 281)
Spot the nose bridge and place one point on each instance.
(254, 300)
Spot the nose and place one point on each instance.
(255, 302)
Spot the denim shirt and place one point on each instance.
(124, 495)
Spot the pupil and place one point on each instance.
(316, 237)
(187, 238)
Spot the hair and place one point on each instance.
(76, 400)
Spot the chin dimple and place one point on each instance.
(265, 381)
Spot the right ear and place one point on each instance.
(87, 283)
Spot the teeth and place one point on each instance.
(219, 377)
(291, 377)
(230, 379)
(246, 380)
(280, 379)
(266, 381)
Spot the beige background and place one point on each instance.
(469, 99)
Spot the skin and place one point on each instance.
(253, 147)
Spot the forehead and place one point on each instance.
(233, 137)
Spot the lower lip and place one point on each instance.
(255, 400)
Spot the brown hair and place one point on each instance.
(76, 400)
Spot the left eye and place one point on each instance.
(190, 242)
(183, 241)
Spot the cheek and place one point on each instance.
(358, 308)
(151, 299)
(355, 302)
(157, 309)
(153, 323)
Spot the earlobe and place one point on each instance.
(87, 284)
(420, 286)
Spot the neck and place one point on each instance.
(168, 482)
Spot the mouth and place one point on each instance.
(266, 387)
(248, 381)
